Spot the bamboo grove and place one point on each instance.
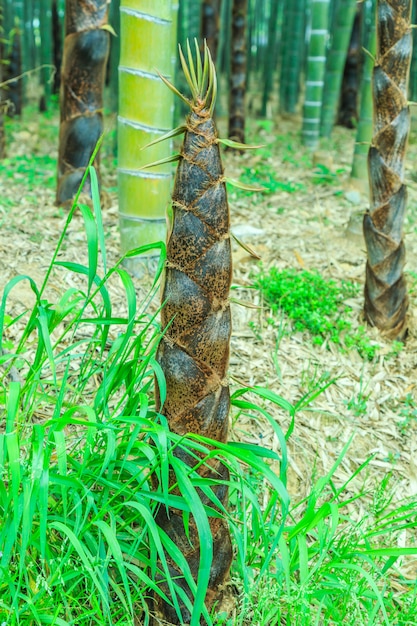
(325, 61)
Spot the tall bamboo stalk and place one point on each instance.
(238, 72)
(145, 113)
(194, 350)
(413, 69)
(15, 87)
(114, 19)
(223, 53)
(210, 25)
(386, 299)
(316, 66)
(359, 173)
(336, 58)
(29, 46)
(292, 54)
(19, 13)
(190, 24)
(271, 55)
(256, 12)
(86, 49)
(45, 19)
(296, 52)
(7, 17)
(349, 96)
(56, 46)
(2, 103)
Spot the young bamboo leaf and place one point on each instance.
(245, 246)
(170, 159)
(239, 146)
(244, 186)
(172, 133)
(194, 84)
(173, 89)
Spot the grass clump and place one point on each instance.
(86, 462)
(265, 178)
(316, 305)
(31, 171)
(330, 568)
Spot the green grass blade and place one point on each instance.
(92, 243)
(95, 193)
(13, 406)
(114, 546)
(43, 326)
(7, 289)
(87, 559)
(204, 533)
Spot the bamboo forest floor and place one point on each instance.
(302, 222)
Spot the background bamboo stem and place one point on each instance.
(386, 299)
(86, 48)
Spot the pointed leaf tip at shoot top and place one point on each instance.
(200, 76)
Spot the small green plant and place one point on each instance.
(412, 282)
(316, 305)
(358, 404)
(31, 171)
(359, 340)
(264, 176)
(312, 378)
(408, 413)
(323, 175)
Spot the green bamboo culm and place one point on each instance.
(359, 172)
(386, 299)
(292, 54)
(270, 58)
(341, 31)
(29, 36)
(2, 73)
(19, 23)
(114, 21)
(189, 20)
(194, 349)
(45, 28)
(223, 52)
(145, 113)
(256, 13)
(316, 66)
(413, 69)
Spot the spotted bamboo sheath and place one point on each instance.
(386, 299)
(194, 351)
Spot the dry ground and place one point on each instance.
(305, 228)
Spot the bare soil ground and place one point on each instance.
(302, 225)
